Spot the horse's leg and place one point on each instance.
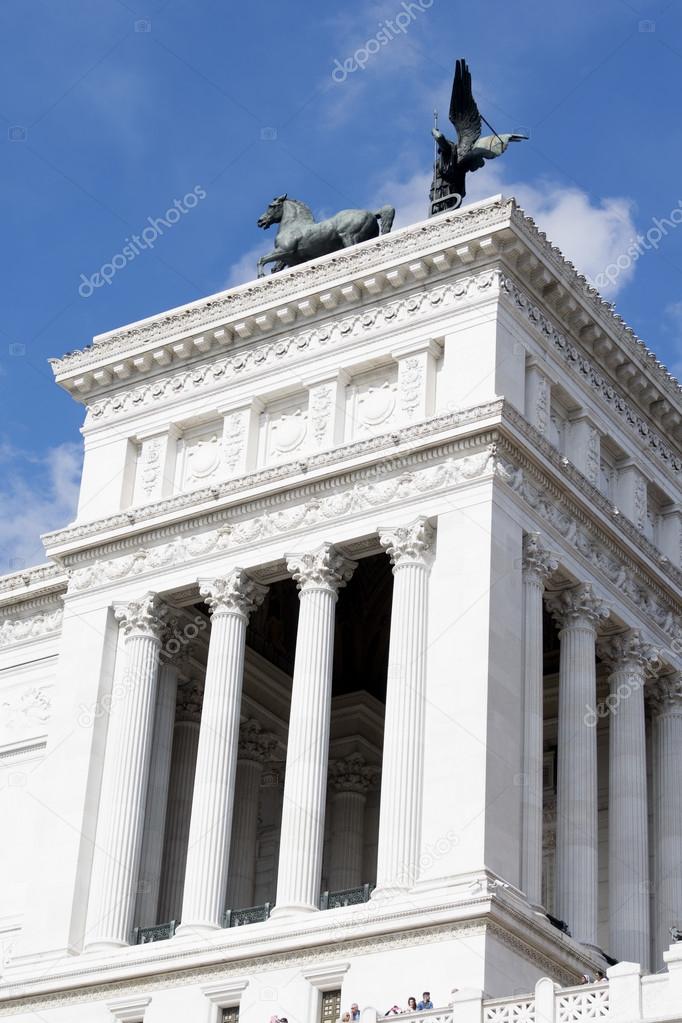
(276, 256)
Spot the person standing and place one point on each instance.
(426, 1002)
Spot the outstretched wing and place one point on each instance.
(464, 114)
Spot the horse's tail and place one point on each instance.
(385, 217)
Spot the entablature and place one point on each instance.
(419, 463)
(320, 292)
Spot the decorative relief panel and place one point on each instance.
(24, 712)
(149, 469)
(284, 430)
(200, 455)
(372, 402)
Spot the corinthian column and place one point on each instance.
(230, 602)
(410, 549)
(538, 564)
(319, 575)
(349, 779)
(667, 762)
(180, 788)
(114, 882)
(628, 658)
(255, 748)
(157, 799)
(578, 612)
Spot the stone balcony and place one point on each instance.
(624, 996)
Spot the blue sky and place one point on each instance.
(111, 110)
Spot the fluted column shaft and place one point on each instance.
(255, 747)
(537, 566)
(230, 601)
(180, 789)
(667, 764)
(157, 799)
(350, 779)
(578, 611)
(629, 931)
(319, 575)
(410, 549)
(114, 882)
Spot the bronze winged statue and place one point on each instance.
(457, 159)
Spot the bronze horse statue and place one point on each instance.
(300, 238)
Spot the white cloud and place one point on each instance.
(591, 234)
(37, 493)
(245, 268)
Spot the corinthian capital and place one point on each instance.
(145, 617)
(323, 569)
(409, 545)
(352, 774)
(577, 606)
(254, 743)
(666, 696)
(628, 652)
(538, 562)
(236, 593)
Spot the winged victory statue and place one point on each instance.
(455, 160)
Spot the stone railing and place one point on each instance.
(624, 997)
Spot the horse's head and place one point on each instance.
(273, 214)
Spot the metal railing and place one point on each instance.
(346, 897)
(252, 915)
(159, 932)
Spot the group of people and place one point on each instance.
(353, 1014)
(412, 1005)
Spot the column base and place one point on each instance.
(295, 909)
(104, 945)
(384, 893)
(197, 930)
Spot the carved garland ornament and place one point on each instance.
(259, 357)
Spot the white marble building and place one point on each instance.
(360, 668)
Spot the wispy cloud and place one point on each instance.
(591, 233)
(38, 492)
(244, 268)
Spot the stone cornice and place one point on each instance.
(599, 309)
(245, 303)
(445, 245)
(589, 373)
(32, 582)
(209, 375)
(322, 940)
(271, 352)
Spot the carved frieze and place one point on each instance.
(356, 493)
(35, 627)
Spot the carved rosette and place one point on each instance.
(352, 774)
(323, 569)
(666, 696)
(235, 594)
(189, 701)
(256, 744)
(538, 562)
(145, 617)
(628, 652)
(409, 545)
(578, 606)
